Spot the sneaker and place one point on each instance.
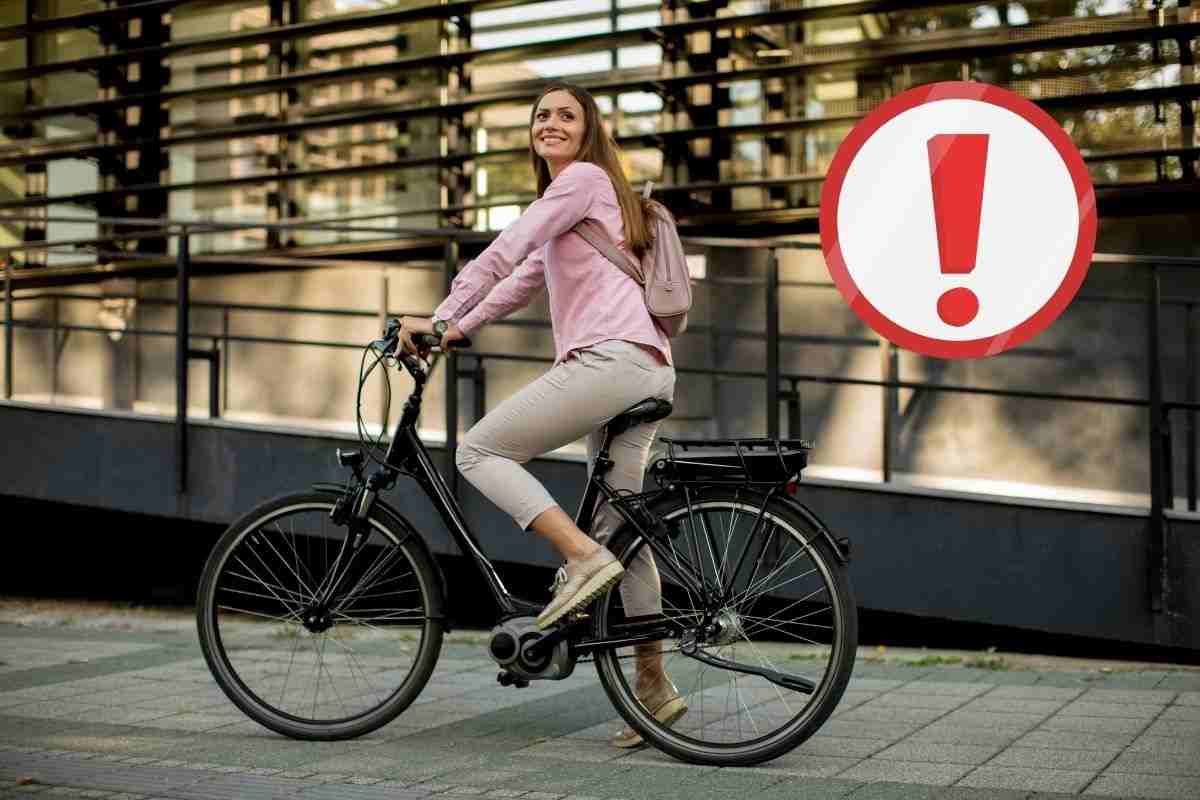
(585, 580)
(664, 702)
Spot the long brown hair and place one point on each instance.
(598, 148)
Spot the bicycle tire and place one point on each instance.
(685, 740)
(227, 574)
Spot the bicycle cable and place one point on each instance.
(371, 445)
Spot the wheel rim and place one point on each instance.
(782, 614)
(308, 662)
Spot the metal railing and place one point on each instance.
(1159, 409)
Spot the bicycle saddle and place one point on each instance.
(651, 409)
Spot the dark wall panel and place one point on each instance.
(1054, 569)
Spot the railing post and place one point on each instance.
(1160, 583)
(182, 265)
(451, 360)
(772, 345)
(384, 378)
(8, 329)
(214, 382)
(888, 366)
(1191, 334)
(480, 378)
(795, 412)
(55, 350)
(226, 359)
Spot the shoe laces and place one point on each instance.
(560, 578)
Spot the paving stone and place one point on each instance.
(1188, 698)
(1014, 705)
(939, 685)
(870, 712)
(939, 753)
(873, 769)
(1160, 698)
(1054, 758)
(803, 765)
(1094, 724)
(835, 746)
(806, 789)
(895, 791)
(1167, 745)
(1035, 692)
(865, 730)
(973, 793)
(1075, 740)
(935, 702)
(1083, 708)
(1013, 678)
(1166, 787)
(1173, 727)
(1156, 764)
(992, 720)
(873, 684)
(1043, 780)
(951, 734)
(1185, 713)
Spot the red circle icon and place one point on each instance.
(958, 220)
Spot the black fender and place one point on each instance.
(411, 535)
(841, 548)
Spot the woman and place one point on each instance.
(609, 355)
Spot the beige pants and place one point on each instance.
(576, 398)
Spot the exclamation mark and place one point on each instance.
(957, 162)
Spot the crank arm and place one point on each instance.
(792, 682)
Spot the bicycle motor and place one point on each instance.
(513, 647)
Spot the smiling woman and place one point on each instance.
(557, 130)
(610, 355)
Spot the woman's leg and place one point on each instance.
(571, 400)
(641, 588)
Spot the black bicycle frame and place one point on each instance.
(407, 455)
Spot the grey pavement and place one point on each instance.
(135, 714)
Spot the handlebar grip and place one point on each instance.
(429, 340)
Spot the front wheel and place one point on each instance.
(310, 637)
(768, 621)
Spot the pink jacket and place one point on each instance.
(591, 300)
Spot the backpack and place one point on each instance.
(662, 273)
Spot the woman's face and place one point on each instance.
(558, 128)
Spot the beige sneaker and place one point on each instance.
(585, 580)
(664, 702)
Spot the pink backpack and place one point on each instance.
(663, 272)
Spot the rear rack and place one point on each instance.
(731, 461)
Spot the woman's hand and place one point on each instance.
(452, 334)
(411, 325)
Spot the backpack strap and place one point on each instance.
(594, 234)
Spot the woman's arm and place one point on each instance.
(565, 202)
(508, 295)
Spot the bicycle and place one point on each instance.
(351, 595)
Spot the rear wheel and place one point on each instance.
(308, 666)
(770, 629)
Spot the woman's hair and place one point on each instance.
(599, 148)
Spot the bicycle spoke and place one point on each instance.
(748, 690)
(328, 669)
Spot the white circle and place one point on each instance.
(1028, 228)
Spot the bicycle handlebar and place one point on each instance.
(391, 337)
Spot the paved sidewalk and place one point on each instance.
(87, 712)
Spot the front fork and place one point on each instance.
(352, 511)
